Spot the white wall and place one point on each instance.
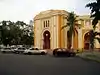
(37, 33)
(80, 43)
(54, 32)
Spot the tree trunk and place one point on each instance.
(70, 42)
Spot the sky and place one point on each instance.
(25, 10)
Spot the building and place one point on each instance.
(48, 32)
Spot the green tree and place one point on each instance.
(21, 24)
(8, 32)
(5, 33)
(95, 14)
(72, 23)
(15, 33)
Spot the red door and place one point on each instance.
(46, 40)
(86, 41)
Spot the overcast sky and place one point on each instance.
(25, 10)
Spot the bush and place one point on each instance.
(79, 50)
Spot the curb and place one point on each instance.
(89, 59)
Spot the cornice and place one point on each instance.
(50, 13)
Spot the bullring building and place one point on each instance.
(48, 32)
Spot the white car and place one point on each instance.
(19, 50)
(35, 51)
(6, 50)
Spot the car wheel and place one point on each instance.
(55, 53)
(29, 53)
(73, 54)
(3, 52)
(17, 52)
(43, 53)
(68, 54)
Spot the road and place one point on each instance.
(14, 64)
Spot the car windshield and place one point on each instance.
(34, 49)
(21, 48)
(7, 48)
(59, 49)
(64, 49)
(13, 48)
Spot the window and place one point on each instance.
(48, 23)
(44, 24)
(88, 23)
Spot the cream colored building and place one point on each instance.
(48, 32)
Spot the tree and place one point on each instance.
(18, 33)
(21, 24)
(9, 32)
(95, 13)
(4, 32)
(72, 23)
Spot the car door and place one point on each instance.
(34, 51)
(37, 51)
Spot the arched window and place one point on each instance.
(44, 24)
(48, 23)
(88, 22)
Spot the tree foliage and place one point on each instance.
(95, 14)
(72, 23)
(14, 33)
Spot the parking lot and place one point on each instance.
(19, 64)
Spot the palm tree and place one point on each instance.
(95, 13)
(72, 23)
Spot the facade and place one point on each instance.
(48, 32)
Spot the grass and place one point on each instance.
(94, 56)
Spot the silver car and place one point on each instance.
(35, 51)
(6, 50)
(19, 50)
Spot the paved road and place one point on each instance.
(11, 64)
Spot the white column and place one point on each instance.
(54, 32)
(80, 43)
(56, 24)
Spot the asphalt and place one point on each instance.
(14, 64)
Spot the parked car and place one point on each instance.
(6, 50)
(35, 51)
(19, 50)
(63, 52)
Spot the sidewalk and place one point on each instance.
(93, 56)
(50, 52)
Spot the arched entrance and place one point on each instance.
(46, 40)
(68, 40)
(75, 40)
(86, 41)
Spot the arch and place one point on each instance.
(44, 23)
(75, 40)
(86, 41)
(68, 40)
(46, 40)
